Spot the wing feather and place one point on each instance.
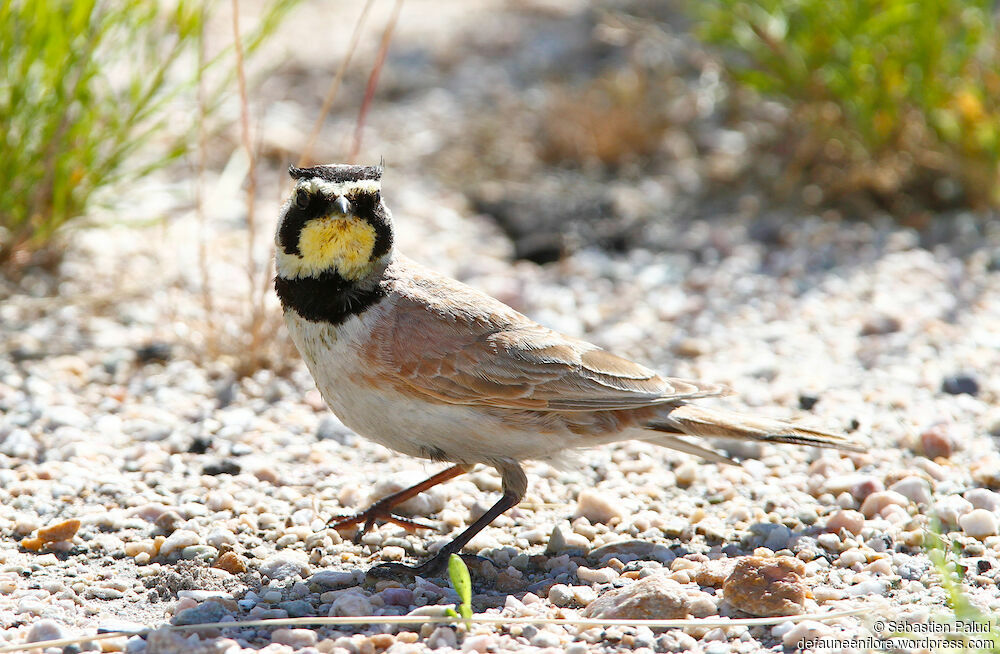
(439, 339)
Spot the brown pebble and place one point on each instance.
(508, 583)
(231, 562)
(64, 530)
(383, 641)
(767, 587)
(32, 544)
(408, 637)
(937, 441)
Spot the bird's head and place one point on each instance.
(334, 222)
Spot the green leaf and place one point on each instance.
(462, 583)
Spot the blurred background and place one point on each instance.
(536, 129)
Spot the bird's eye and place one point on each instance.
(302, 198)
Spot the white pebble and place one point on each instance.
(352, 604)
(482, 643)
(179, 540)
(45, 630)
(950, 508)
(546, 639)
(297, 638)
(979, 523)
(597, 507)
(285, 565)
(803, 631)
(598, 576)
(984, 498)
(913, 488)
(877, 501)
(219, 537)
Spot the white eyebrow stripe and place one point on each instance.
(320, 185)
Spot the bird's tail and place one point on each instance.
(692, 420)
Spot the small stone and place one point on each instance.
(656, 596)
(598, 576)
(858, 485)
(45, 630)
(481, 644)
(807, 401)
(285, 565)
(168, 521)
(425, 504)
(297, 638)
(64, 530)
(177, 541)
(561, 595)
(299, 608)
(634, 549)
(960, 384)
(204, 613)
(546, 639)
(950, 509)
(937, 441)
(597, 507)
(875, 502)
(397, 596)
(686, 473)
(983, 498)
(351, 604)
(442, 637)
(333, 578)
(979, 523)
(914, 488)
(557, 542)
(767, 587)
(202, 552)
(852, 521)
(583, 595)
(880, 324)
(392, 553)
(231, 562)
(506, 582)
(806, 630)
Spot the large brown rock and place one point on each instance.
(767, 586)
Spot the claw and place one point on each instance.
(375, 514)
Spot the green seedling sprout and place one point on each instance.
(462, 583)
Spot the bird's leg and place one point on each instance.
(515, 483)
(382, 509)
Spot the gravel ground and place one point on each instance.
(143, 483)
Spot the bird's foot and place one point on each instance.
(376, 513)
(432, 567)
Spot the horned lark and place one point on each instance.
(432, 368)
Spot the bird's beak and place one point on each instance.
(342, 206)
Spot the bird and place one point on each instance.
(430, 367)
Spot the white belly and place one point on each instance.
(412, 426)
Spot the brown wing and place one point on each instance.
(472, 349)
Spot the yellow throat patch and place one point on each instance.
(343, 244)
